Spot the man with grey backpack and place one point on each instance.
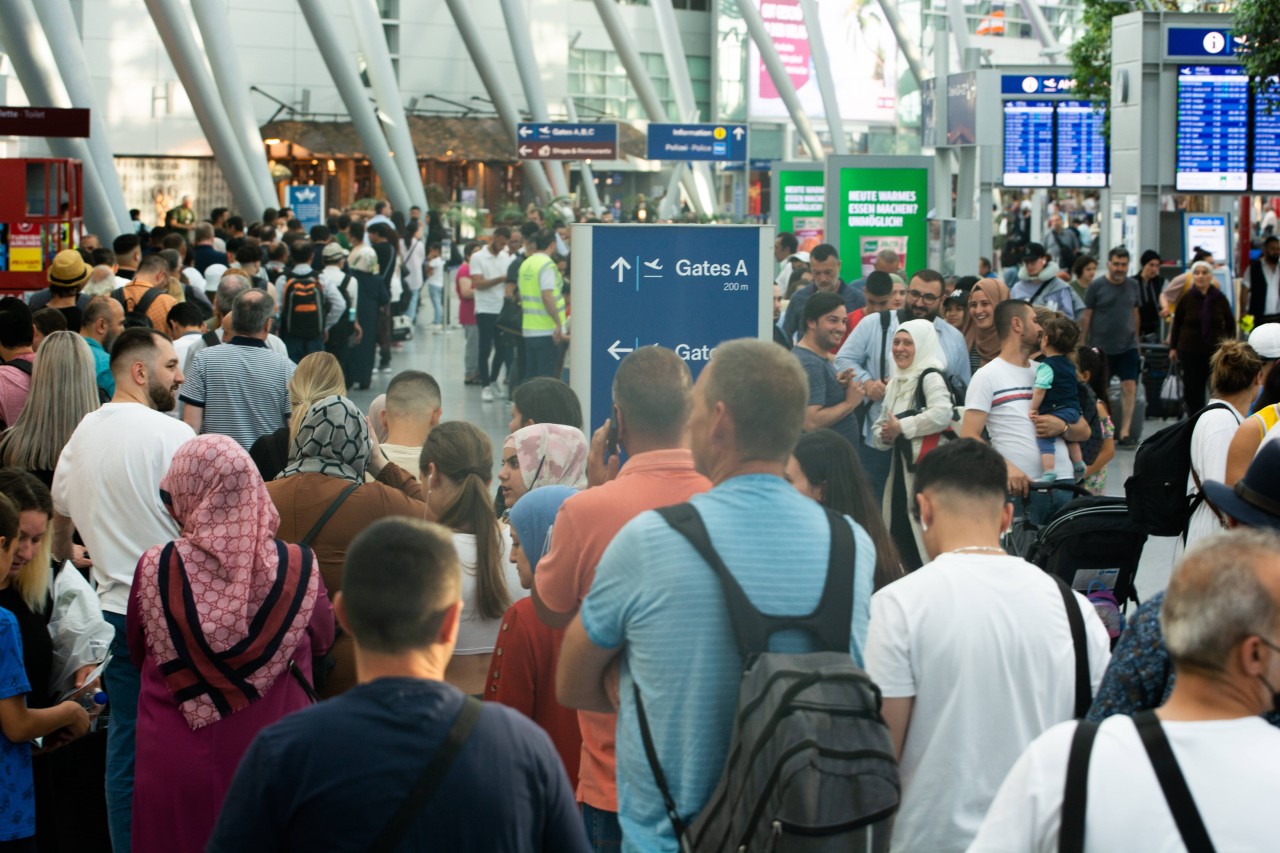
(728, 632)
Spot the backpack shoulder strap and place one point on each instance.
(21, 364)
(328, 514)
(210, 339)
(410, 810)
(920, 400)
(1172, 783)
(1076, 794)
(1039, 291)
(884, 338)
(1084, 689)
(144, 303)
(118, 296)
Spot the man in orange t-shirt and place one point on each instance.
(153, 271)
(652, 396)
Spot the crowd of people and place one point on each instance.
(238, 612)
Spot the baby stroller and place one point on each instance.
(1089, 543)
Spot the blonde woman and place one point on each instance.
(63, 390)
(318, 376)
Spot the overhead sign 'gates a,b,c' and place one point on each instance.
(552, 140)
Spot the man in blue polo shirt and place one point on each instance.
(654, 595)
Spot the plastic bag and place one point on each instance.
(80, 634)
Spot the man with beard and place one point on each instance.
(100, 325)
(867, 351)
(107, 487)
(1263, 292)
(240, 390)
(833, 397)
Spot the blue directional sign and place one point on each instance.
(1032, 84)
(697, 142)
(307, 202)
(551, 140)
(1200, 41)
(685, 287)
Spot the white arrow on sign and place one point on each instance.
(524, 150)
(525, 131)
(738, 133)
(621, 266)
(615, 348)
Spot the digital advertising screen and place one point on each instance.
(1213, 129)
(1028, 143)
(1081, 158)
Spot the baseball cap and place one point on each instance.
(1265, 340)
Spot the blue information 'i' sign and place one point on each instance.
(685, 287)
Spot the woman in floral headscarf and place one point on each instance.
(218, 621)
(542, 455)
(323, 498)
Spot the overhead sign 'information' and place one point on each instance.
(727, 142)
(565, 141)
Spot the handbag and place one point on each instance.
(81, 636)
(1171, 387)
(511, 317)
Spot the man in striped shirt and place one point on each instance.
(240, 389)
(999, 400)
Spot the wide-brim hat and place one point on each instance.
(68, 269)
(1254, 500)
(333, 251)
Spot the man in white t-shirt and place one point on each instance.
(973, 652)
(1221, 624)
(999, 400)
(107, 487)
(488, 275)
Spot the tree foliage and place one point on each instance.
(1258, 22)
(1090, 54)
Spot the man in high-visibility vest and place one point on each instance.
(542, 303)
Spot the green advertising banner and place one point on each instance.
(882, 209)
(802, 205)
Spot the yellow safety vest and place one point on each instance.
(535, 316)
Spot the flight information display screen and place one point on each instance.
(1266, 143)
(1028, 143)
(1081, 159)
(1213, 129)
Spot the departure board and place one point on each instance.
(1081, 159)
(1213, 128)
(1028, 143)
(1266, 143)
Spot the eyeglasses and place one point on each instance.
(924, 297)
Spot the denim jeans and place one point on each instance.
(437, 304)
(603, 831)
(541, 355)
(411, 305)
(299, 348)
(1037, 506)
(122, 681)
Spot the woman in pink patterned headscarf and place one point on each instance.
(542, 455)
(223, 623)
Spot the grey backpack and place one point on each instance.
(811, 765)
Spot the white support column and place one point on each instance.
(382, 76)
(629, 56)
(33, 63)
(339, 57)
(498, 94)
(1036, 18)
(826, 84)
(68, 52)
(518, 32)
(682, 90)
(910, 50)
(215, 32)
(176, 32)
(588, 179)
(781, 80)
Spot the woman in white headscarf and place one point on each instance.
(918, 409)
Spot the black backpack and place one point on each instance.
(137, 317)
(340, 332)
(302, 307)
(810, 764)
(918, 405)
(1157, 491)
(1091, 447)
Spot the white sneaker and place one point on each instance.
(486, 395)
